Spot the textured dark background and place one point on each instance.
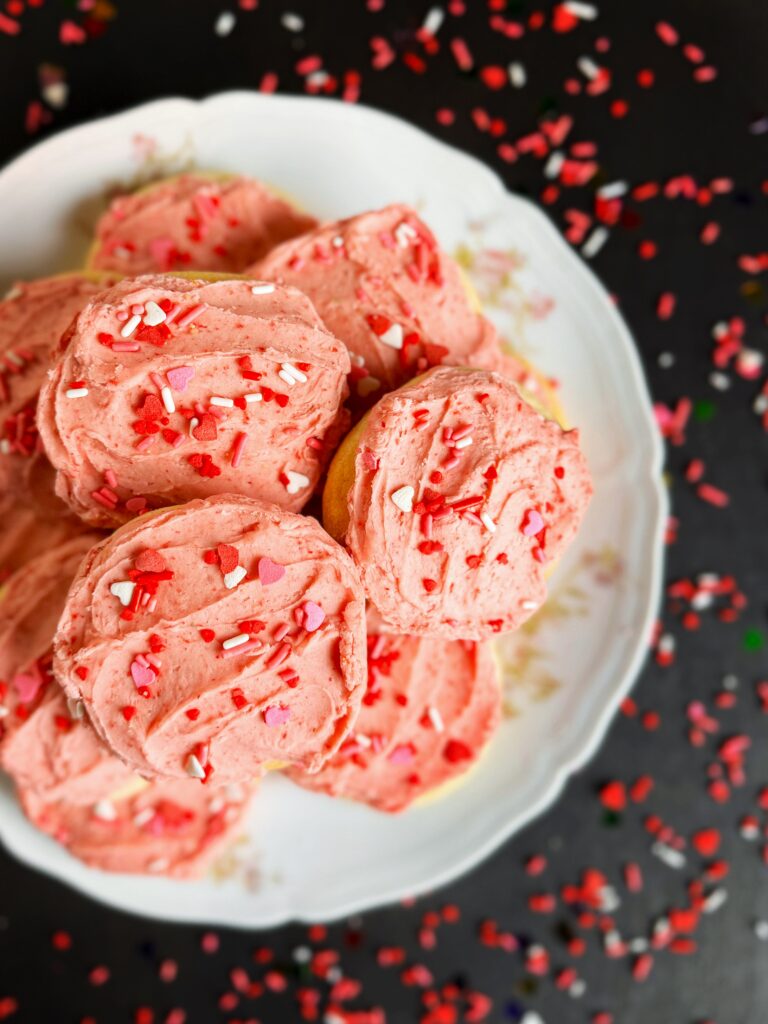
(139, 50)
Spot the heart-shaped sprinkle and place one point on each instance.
(532, 523)
(403, 498)
(296, 482)
(314, 616)
(231, 579)
(123, 591)
(150, 561)
(228, 557)
(142, 674)
(206, 428)
(26, 686)
(179, 377)
(269, 571)
(402, 754)
(393, 337)
(153, 314)
(277, 714)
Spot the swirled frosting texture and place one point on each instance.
(32, 320)
(430, 709)
(172, 389)
(194, 222)
(216, 638)
(174, 827)
(381, 283)
(462, 494)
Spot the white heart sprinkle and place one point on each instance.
(403, 498)
(123, 591)
(153, 315)
(393, 336)
(231, 579)
(296, 482)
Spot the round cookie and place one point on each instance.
(33, 318)
(194, 222)
(430, 709)
(174, 388)
(216, 639)
(452, 495)
(382, 284)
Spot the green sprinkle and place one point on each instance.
(704, 410)
(754, 640)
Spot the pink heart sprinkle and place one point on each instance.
(269, 571)
(142, 674)
(277, 714)
(314, 616)
(402, 754)
(136, 504)
(533, 523)
(179, 377)
(26, 686)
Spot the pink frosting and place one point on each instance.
(32, 321)
(194, 223)
(430, 709)
(165, 685)
(380, 280)
(175, 827)
(462, 495)
(172, 416)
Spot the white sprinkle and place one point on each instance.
(5, 446)
(76, 709)
(702, 600)
(231, 579)
(531, 1017)
(609, 899)
(730, 682)
(263, 288)
(719, 381)
(714, 900)
(666, 360)
(579, 10)
(294, 372)
(296, 482)
(4, 711)
(235, 641)
(517, 74)
(578, 988)
(224, 23)
(433, 21)
(639, 945)
(224, 403)
(530, 606)
(760, 404)
(104, 810)
(761, 930)
(130, 326)
(194, 422)
(367, 385)
(76, 392)
(144, 817)
(403, 498)
(363, 740)
(13, 357)
(153, 314)
(293, 22)
(337, 241)
(436, 719)
(253, 396)
(587, 67)
(595, 242)
(393, 337)
(194, 768)
(553, 165)
(671, 857)
(284, 375)
(160, 863)
(463, 442)
(404, 234)
(487, 522)
(55, 94)
(749, 831)
(613, 190)
(302, 954)
(317, 78)
(123, 591)
(720, 329)
(167, 397)
(356, 360)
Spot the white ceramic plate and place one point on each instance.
(307, 856)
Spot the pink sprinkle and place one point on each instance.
(533, 523)
(277, 714)
(278, 656)
(145, 443)
(713, 495)
(190, 315)
(106, 502)
(142, 674)
(136, 504)
(157, 380)
(269, 571)
(26, 686)
(314, 616)
(237, 449)
(667, 33)
(109, 476)
(249, 645)
(125, 346)
(179, 377)
(402, 754)
(281, 632)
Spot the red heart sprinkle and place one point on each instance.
(150, 561)
(229, 557)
